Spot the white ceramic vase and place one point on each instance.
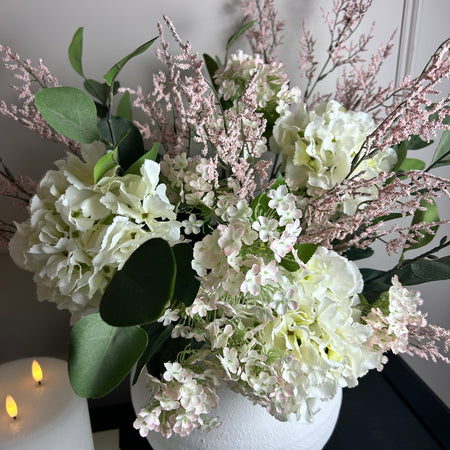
(247, 427)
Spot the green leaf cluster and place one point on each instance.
(105, 346)
(409, 273)
(73, 113)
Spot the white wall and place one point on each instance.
(44, 28)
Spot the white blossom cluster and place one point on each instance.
(80, 232)
(181, 401)
(272, 84)
(392, 326)
(318, 148)
(283, 338)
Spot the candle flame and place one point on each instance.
(11, 407)
(36, 371)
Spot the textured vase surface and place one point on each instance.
(247, 427)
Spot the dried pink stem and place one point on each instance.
(415, 113)
(429, 342)
(342, 23)
(26, 113)
(361, 229)
(264, 36)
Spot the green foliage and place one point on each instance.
(304, 252)
(139, 292)
(409, 273)
(260, 204)
(100, 91)
(112, 73)
(211, 67)
(186, 283)
(402, 150)
(76, 51)
(375, 282)
(124, 108)
(429, 215)
(412, 164)
(355, 254)
(70, 112)
(131, 148)
(238, 34)
(157, 335)
(441, 156)
(100, 356)
(416, 143)
(424, 271)
(104, 164)
(152, 154)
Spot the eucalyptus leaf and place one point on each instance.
(100, 356)
(70, 111)
(157, 334)
(238, 34)
(186, 283)
(442, 154)
(112, 73)
(424, 271)
(124, 108)
(152, 154)
(139, 292)
(390, 216)
(76, 51)
(100, 91)
(416, 143)
(131, 148)
(429, 215)
(375, 282)
(412, 164)
(104, 164)
(102, 111)
(402, 151)
(211, 66)
(355, 254)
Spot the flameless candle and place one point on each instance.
(48, 414)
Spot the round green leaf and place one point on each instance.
(100, 356)
(186, 283)
(70, 112)
(139, 292)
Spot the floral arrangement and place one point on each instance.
(225, 253)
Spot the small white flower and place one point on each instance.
(229, 360)
(267, 228)
(169, 316)
(192, 225)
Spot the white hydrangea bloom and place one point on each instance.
(80, 233)
(318, 147)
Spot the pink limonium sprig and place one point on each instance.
(346, 18)
(415, 113)
(31, 78)
(265, 35)
(399, 195)
(358, 90)
(184, 99)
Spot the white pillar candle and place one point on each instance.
(49, 415)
